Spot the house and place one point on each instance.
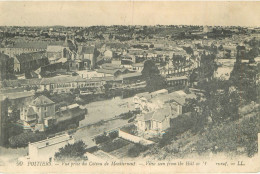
(176, 99)
(60, 83)
(29, 61)
(148, 102)
(45, 150)
(155, 121)
(63, 84)
(142, 100)
(38, 113)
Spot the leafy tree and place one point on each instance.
(23, 139)
(136, 150)
(154, 81)
(208, 66)
(220, 104)
(73, 152)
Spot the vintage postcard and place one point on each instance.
(129, 87)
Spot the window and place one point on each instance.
(45, 108)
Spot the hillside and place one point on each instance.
(231, 138)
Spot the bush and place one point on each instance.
(113, 145)
(23, 139)
(101, 139)
(136, 150)
(113, 135)
(231, 136)
(73, 152)
(132, 129)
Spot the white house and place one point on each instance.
(155, 121)
(148, 102)
(143, 102)
(38, 113)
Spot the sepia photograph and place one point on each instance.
(129, 86)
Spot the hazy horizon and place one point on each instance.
(104, 13)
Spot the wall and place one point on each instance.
(47, 151)
(133, 138)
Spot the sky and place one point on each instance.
(79, 13)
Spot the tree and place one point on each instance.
(23, 139)
(136, 150)
(73, 152)
(220, 104)
(154, 81)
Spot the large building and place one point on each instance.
(18, 48)
(21, 47)
(29, 61)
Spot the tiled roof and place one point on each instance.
(42, 100)
(177, 96)
(22, 82)
(51, 141)
(158, 115)
(161, 114)
(145, 117)
(61, 79)
(111, 66)
(108, 71)
(54, 48)
(130, 75)
(35, 44)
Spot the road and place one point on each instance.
(103, 110)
